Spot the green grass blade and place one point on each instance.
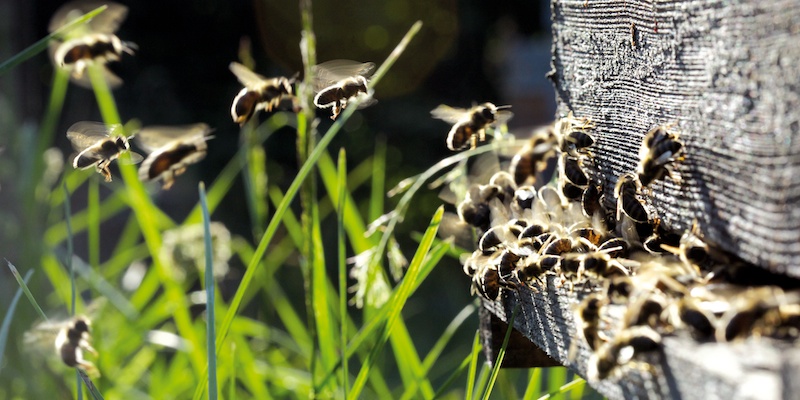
(397, 301)
(305, 169)
(148, 216)
(367, 332)
(232, 372)
(93, 209)
(438, 347)
(556, 377)
(378, 192)
(575, 384)
(322, 309)
(67, 218)
(420, 180)
(473, 366)
(453, 376)
(342, 187)
(500, 355)
(226, 178)
(25, 289)
(210, 295)
(106, 290)
(534, 384)
(353, 223)
(10, 316)
(89, 385)
(42, 44)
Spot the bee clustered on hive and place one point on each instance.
(665, 283)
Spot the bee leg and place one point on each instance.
(84, 344)
(674, 175)
(473, 142)
(102, 168)
(168, 181)
(89, 367)
(77, 72)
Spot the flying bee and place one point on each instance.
(469, 125)
(259, 93)
(338, 81)
(93, 43)
(72, 340)
(475, 208)
(534, 158)
(171, 150)
(660, 149)
(571, 134)
(98, 145)
(69, 338)
(621, 351)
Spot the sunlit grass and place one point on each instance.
(151, 339)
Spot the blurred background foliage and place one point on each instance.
(468, 51)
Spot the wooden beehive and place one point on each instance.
(727, 75)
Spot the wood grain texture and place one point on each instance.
(685, 369)
(727, 74)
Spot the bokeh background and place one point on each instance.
(467, 51)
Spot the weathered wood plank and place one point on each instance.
(727, 74)
(685, 369)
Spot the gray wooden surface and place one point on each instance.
(751, 369)
(727, 74)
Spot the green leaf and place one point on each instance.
(210, 297)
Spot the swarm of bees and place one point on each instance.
(95, 43)
(532, 228)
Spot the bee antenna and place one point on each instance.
(503, 107)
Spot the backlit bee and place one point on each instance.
(621, 350)
(572, 135)
(98, 145)
(93, 43)
(588, 318)
(72, 340)
(69, 338)
(259, 93)
(627, 193)
(469, 125)
(660, 148)
(534, 158)
(171, 150)
(336, 82)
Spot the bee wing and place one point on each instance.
(152, 138)
(449, 114)
(87, 133)
(501, 117)
(330, 72)
(245, 75)
(134, 158)
(107, 21)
